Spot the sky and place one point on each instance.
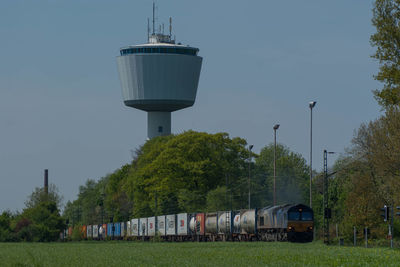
(263, 61)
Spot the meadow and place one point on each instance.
(192, 254)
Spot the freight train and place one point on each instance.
(288, 222)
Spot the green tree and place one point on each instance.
(292, 177)
(6, 231)
(41, 219)
(178, 171)
(39, 195)
(386, 19)
(45, 222)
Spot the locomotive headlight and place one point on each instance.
(291, 228)
(310, 228)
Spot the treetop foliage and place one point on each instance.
(386, 19)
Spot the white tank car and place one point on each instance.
(224, 222)
(248, 221)
(211, 223)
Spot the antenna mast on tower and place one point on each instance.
(148, 29)
(170, 27)
(154, 7)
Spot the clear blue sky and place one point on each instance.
(263, 61)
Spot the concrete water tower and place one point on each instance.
(159, 77)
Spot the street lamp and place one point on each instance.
(276, 126)
(250, 148)
(311, 105)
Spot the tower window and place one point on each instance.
(160, 129)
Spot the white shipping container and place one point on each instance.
(135, 227)
(161, 225)
(95, 231)
(182, 224)
(151, 226)
(123, 229)
(128, 228)
(89, 231)
(143, 227)
(170, 224)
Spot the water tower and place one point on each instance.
(159, 77)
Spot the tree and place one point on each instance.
(291, 177)
(178, 171)
(44, 222)
(386, 19)
(6, 231)
(41, 219)
(39, 195)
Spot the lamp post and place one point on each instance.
(311, 105)
(250, 148)
(276, 126)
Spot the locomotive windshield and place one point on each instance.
(300, 216)
(294, 216)
(306, 216)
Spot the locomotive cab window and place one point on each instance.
(294, 216)
(306, 216)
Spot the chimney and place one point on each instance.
(46, 181)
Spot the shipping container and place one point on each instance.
(117, 229)
(248, 224)
(212, 223)
(224, 222)
(95, 231)
(83, 231)
(161, 225)
(170, 224)
(110, 230)
(143, 227)
(151, 226)
(183, 223)
(89, 231)
(123, 229)
(135, 227)
(128, 228)
(200, 223)
(104, 230)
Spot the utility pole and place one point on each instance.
(250, 148)
(327, 210)
(325, 197)
(276, 127)
(311, 105)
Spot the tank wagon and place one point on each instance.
(287, 222)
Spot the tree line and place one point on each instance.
(191, 172)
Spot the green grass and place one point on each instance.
(192, 254)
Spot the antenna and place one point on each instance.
(170, 27)
(148, 29)
(163, 28)
(154, 7)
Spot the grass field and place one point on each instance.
(192, 254)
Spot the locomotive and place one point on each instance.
(294, 223)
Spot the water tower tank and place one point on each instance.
(159, 77)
